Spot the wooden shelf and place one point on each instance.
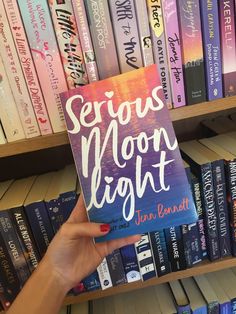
(58, 139)
(204, 267)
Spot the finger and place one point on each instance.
(73, 231)
(79, 213)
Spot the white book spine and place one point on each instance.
(8, 111)
(104, 275)
(16, 77)
(2, 136)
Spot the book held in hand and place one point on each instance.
(127, 155)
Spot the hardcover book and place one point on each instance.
(127, 155)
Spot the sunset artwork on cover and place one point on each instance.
(126, 154)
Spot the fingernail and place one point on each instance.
(105, 228)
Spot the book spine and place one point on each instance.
(130, 263)
(231, 183)
(16, 78)
(197, 195)
(228, 45)
(173, 44)
(55, 214)
(210, 212)
(126, 35)
(2, 135)
(159, 46)
(221, 207)
(233, 306)
(43, 45)
(116, 268)
(40, 225)
(8, 111)
(85, 38)
(144, 32)
(68, 41)
(27, 66)
(67, 201)
(160, 253)
(193, 63)
(192, 245)
(26, 238)
(211, 47)
(104, 275)
(92, 282)
(145, 258)
(213, 307)
(225, 308)
(183, 309)
(103, 40)
(175, 248)
(13, 246)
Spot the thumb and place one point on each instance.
(73, 231)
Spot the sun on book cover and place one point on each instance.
(127, 155)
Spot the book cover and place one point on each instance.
(212, 48)
(193, 61)
(116, 268)
(144, 32)
(125, 29)
(159, 46)
(43, 45)
(130, 263)
(8, 110)
(127, 155)
(99, 20)
(173, 44)
(69, 42)
(16, 77)
(27, 65)
(85, 40)
(228, 45)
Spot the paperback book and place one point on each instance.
(127, 155)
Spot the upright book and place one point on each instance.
(127, 155)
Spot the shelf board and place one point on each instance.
(58, 139)
(204, 267)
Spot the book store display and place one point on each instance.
(133, 104)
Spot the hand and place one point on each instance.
(72, 254)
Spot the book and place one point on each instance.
(27, 65)
(228, 45)
(92, 282)
(8, 110)
(104, 275)
(163, 292)
(193, 60)
(99, 20)
(2, 135)
(159, 46)
(16, 78)
(173, 45)
(125, 28)
(85, 40)
(36, 212)
(208, 294)
(143, 173)
(130, 263)
(43, 45)
(180, 297)
(67, 35)
(212, 48)
(144, 32)
(197, 303)
(116, 268)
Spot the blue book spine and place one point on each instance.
(67, 202)
(40, 225)
(145, 257)
(221, 207)
(183, 309)
(212, 49)
(116, 268)
(233, 306)
(55, 213)
(225, 308)
(130, 263)
(192, 246)
(201, 310)
(92, 282)
(160, 253)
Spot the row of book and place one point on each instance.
(48, 47)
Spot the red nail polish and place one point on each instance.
(105, 228)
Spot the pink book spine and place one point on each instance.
(16, 78)
(174, 52)
(86, 41)
(43, 44)
(27, 65)
(69, 44)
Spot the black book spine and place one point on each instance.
(160, 253)
(116, 268)
(210, 212)
(12, 243)
(192, 246)
(26, 237)
(221, 207)
(55, 213)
